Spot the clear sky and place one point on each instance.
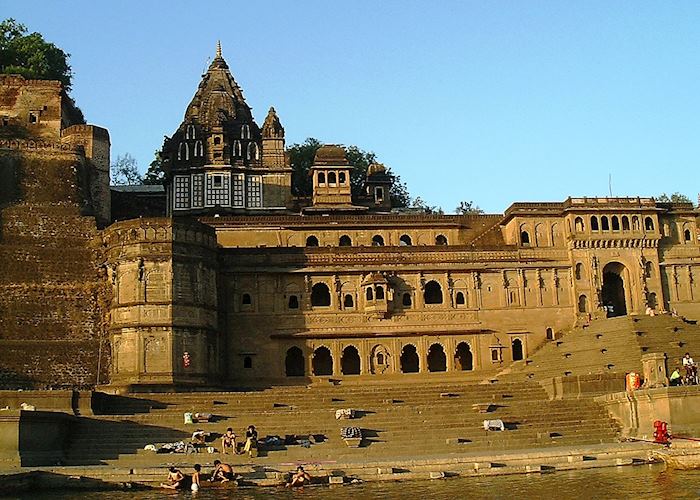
(491, 101)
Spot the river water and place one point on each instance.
(640, 482)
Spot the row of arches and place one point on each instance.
(332, 179)
(379, 362)
(191, 131)
(405, 240)
(432, 294)
(614, 223)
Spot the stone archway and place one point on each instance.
(380, 360)
(350, 361)
(464, 360)
(409, 359)
(322, 361)
(613, 291)
(294, 362)
(437, 361)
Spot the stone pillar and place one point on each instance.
(654, 370)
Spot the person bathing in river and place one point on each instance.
(300, 478)
(176, 480)
(222, 472)
(195, 477)
(228, 441)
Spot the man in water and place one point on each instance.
(176, 480)
(300, 478)
(222, 472)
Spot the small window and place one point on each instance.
(321, 179)
(605, 226)
(345, 241)
(406, 300)
(320, 295)
(348, 301)
(380, 293)
(495, 354)
(369, 293)
(549, 333)
(33, 117)
(245, 131)
(379, 194)
(635, 223)
(582, 304)
(578, 225)
(312, 241)
(377, 241)
(190, 134)
(217, 140)
(594, 223)
(687, 236)
(237, 148)
(525, 238)
(247, 362)
(441, 240)
(615, 223)
(649, 224)
(648, 269)
(460, 299)
(341, 178)
(218, 181)
(578, 270)
(433, 293)
(293, 302)
(331, 178)
(246, 299)
(198, 149)
(405, 241)
(625, 223)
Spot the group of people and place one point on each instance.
(229, 443)
(223, 473)
(690, 376)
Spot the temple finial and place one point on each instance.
(218, 48)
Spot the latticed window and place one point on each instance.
(238, 191)
(254, 191)
(198, 191)
(182, 192)
(218, 189)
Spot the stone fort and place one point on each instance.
(222, 278)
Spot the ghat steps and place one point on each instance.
(613, 345)
(403, 420)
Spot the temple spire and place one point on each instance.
(218, 48)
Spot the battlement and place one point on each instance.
(159, 230)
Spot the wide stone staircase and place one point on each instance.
(609, 346)
(412, 419)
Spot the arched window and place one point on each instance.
(615, 223)
(348, 301)
(594, 223)
(440, 239)
(331, 178)
(582, 304)
(321, 179)
(293, 302)
(294, 362)
(322, 362)
(549, 333)
(604, 225)
(198, 149)
(464, 360)
(237, 148)
(183, 151)
(433, 293)
(190, 134)
(649, 224)
(377, 241)
(635, 223)
(369, 293)
(253, 152)
(459, 300)
(652, 300)
(350, 361)
(625, 223)
(437, 361)
(687, 236)
(247, 362)
(406, 300)
(648, 269)
(578, 272)
(217, 140)
(405, 240)
(341, 178)
(245, 131)
(312, 241)
(320, 295)
(525, 238)
(578, 225)
(517, 349)
(409, 359)
(379, 292)
(246, 300)
(345, 241)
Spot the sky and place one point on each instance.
(487, 101)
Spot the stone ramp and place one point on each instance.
(608, 346)
(431, 419)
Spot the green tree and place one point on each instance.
(674, 198)
(468, 208)
(154, 174)
(420, 205)
(301, 159)
(125, 171)
(29, 55)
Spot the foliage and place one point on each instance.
(468, 208)
(674, 198)
(301, 159)
(420, 205)
(154, 174)
(125, 171)
(29, 55)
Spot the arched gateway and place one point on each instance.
(613, 292)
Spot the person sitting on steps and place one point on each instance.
(176, 480)
(691, 369)
(228, 441)
(300, 478)
(251, 440)
(675, 378)
(222, 472)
